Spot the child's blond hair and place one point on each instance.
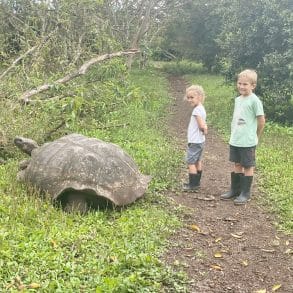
(250, 74)
(197, 89)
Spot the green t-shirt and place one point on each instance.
(244, 122)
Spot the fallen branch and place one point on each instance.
(169, 55)
(205, 198)
(81, 71)
(48, 135)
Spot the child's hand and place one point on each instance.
(205, 130)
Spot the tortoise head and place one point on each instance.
(26, 145)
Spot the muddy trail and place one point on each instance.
(223, 247)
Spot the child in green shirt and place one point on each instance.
(246, 127)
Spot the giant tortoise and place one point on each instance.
(81, 172)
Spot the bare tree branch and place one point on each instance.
(32, 49)
(142, 30)
(24, 98)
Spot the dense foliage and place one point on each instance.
(229, 36)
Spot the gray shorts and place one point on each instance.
(194, 153)
(245, 156)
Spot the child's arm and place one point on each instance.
(201, 124)
(260, 125)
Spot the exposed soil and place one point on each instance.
(223, 247)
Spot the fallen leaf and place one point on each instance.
(245, 263)
(276, 287)
(261, 291)
(194, 228)
(239, 235)
(112, 258)
(276, 243)
(216, 267)
(287, 242)
(34, 286)
(218, 255)
(218, 239)
(54, 243)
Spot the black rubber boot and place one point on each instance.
(245, 182)
(234, 188)
(199, 173)
(194, 183)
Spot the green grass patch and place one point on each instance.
(181, 67)
(274, 153)
(275, 157)
(104, 251)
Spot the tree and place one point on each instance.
(228, 36)
(258, 34)
(136, 23)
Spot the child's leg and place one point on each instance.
(198, 166)
(194, 179)
(238, 168)
(236, 174)
(248, 163)
(194, 152)
(192, 169)
(248, 171)
(235, 188)
(195, 168)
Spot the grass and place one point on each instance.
(42, 248)
(274, 152)
(275, 157)
(181, 67)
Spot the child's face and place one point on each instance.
(244, 86)
(193, 99)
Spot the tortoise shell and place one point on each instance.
(89, 165)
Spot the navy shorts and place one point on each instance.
(245, 156)
(194, 153)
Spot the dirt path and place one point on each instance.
(222, 247)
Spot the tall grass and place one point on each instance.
(274, 152)
(105, 251)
